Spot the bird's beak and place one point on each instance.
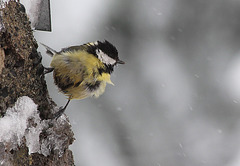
(120, 62)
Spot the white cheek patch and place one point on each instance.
(105, 58)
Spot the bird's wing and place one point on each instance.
(73, 48)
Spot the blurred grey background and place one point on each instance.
(176, 100)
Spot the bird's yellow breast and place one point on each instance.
(77, 74)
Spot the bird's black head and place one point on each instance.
(108, 49)
(107, 53)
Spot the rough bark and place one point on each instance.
(21, 74)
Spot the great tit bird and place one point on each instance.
(82, 71)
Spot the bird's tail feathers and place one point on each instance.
(49, 51)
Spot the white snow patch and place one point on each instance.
(23, 121)
(16, 124)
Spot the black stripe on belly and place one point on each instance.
(93, 87)
(77, 84)
(63, 83)
(66, 86)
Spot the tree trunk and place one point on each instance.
(21, 74)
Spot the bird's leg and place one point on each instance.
(48, 70)
(60, 111)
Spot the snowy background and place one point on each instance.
(176, 101)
